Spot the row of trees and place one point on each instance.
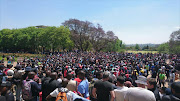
(32, 39)
(87, 36)
(173, 46)
(73, 34)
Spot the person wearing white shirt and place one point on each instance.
(121, 90)
(139, 93)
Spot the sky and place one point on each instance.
(133, 21)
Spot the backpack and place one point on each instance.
(26, 90)
(61, 96)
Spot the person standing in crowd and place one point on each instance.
(17, 80)
(50, 85)
(175, 88)
(99, 76)
(152, 86)
(72, 84)
(127, 78)
(103, 90)
(6, 91)
(44, 79)
(30, 88)
(161, 78)
(121, 90)
(83, 87)
(69, 95)
(139, 93)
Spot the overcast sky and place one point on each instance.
(133, 21)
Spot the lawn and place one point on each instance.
(131, 51)
(16, 55)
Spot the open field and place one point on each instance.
(16, 55)
(21, 54)
(131, 51)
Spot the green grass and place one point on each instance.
(16, 55)
(131, 51)
(5, 59)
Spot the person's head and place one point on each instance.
(9, 65)
(128, 84)
(69, 76)
(141, 81)
(81, 74)
(18, 67)
(175, 88)
(127, 75)
(54, 75)
(106, 76)
(151, 83)
(31, 75)
(64, 82)
(111, 79)
(99, 75)
(4, 87)
(120, 81)
(28, 69)
(10, 72)
(48, 73)
(2, 67)
(163, 90)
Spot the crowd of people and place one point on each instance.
(92, 76)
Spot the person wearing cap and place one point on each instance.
(121, 90)
(139, 93)
(9, 76)
(27, 70)
(175, 96)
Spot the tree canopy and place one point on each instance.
(73, 34)
(32, 39)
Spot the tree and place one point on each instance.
(137, 47)
(85, 35)
(174, 42)
(31, 39)
(79, 30)
(163, 48)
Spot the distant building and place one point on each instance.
(41, 26)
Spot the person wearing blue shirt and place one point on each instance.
(84, 85)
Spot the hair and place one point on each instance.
(152, 81)
(69, 76)
(176, 87)
(98, 73)
(120, 79)
(81, 72)
(163, 89)
(105, 75)
(31, 75)
(111, 80)
(53, 75)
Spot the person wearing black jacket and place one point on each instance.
(175, 96)
(152, 86)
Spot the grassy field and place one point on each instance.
(16, 55)
(131, 51)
